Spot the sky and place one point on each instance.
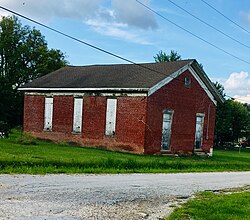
(130, 30)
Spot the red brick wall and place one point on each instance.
(185, 102)
(63, 110)
(129, 134)
(94, 111)
(130, 121)
(131, 118)
(33, 113)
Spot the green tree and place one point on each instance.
(163, 57)
(247, 133)
(220, 89)
(24, 56)
(232, 119)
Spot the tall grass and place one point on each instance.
(20, 154)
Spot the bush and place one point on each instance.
(4, 129)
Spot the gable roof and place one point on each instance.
(137, 77)
(107, 76)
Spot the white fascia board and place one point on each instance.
(86, 89)
(82, 94)
(174, 75)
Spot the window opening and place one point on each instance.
(166, 129)
(187, 82)
(77, 119)
(48, 113)
(199, 130)
(111, 116)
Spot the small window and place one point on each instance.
(187, 82)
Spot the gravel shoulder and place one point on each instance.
(122, 196)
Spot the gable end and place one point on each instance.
(167, 80)
(174, 75)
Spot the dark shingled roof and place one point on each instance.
(107, 76)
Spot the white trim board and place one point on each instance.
(82, 94)
(86, 89)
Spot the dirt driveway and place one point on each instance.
(124, 196)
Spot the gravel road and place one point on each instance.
(122, 196)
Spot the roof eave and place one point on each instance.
(195, 65)
(144, 90)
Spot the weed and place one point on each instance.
(26, 139)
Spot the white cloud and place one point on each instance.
(46, 10)
(116, 30)
(132, 13)
(243, 99)
(115, 18)
(238, 84)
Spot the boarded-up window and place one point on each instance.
(166, 129)
(48, 113)
(111, 116)
(199, 130)
(77, 119)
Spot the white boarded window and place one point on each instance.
(199, 130)
(48, 113)
(166, 129)
(77, 119)
(111, 116)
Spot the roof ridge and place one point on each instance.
(127, 64)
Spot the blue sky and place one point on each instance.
(130, 30)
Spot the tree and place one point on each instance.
(24, 56)
(220, 89)
(220, 127)
(232, 119)
(247, 133)
(163, 57)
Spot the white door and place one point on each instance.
(77, 119)
(166, 129)
(111, 116)
(199, 130)
(48, 113)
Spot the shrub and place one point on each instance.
(26, 139)
(4, 129)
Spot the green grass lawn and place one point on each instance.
(25, 155)
(208, 205)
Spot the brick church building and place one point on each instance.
(149, 108)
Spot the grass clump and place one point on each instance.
(26, 139)
(24, 154)
(209, 206)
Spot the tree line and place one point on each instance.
(232, 120)
(24, 56)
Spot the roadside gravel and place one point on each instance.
(124, 196)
